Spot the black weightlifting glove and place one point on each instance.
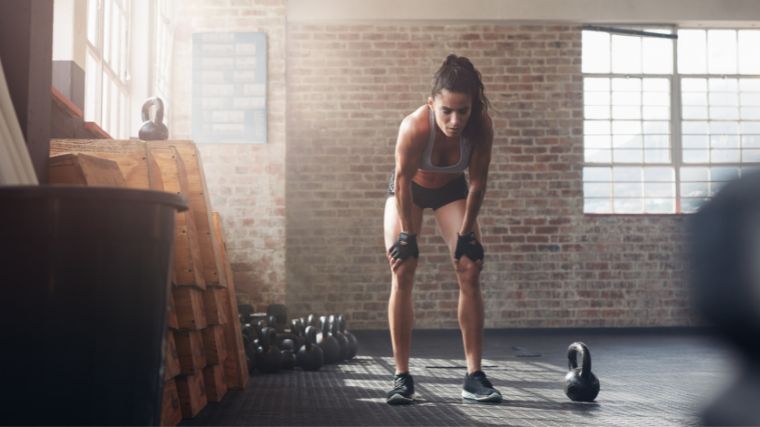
(468, 245)
(405, 246)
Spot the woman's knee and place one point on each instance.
(468, 272)
(403, 277)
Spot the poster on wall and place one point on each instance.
(230, 88)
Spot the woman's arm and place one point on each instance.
(479, 162)
(408, 155)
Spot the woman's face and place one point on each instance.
(452, 111)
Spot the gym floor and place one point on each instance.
(648, 377)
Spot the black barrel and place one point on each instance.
(84, 292)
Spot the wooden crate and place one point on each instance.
(83, 169)
(171, 412)
(197, 197)
(132, 157)
(172, 366)
(191, 351)
(216, 387)
(191, 312)
(235, 366)
(188, 266)
(213, 341)
(192, 394)
(216, 311)
(171, 312)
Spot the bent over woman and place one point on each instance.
(436, 144)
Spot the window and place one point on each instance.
(667, 120)
(164, 30)
(107, 65)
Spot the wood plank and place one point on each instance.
(213, 377)
(235, 366)
(172, 366)
(192, 394)
(172, 321)
(191, 313)
(213, 341)
(198, 200)
(188, 265)
(191, 351)
(216, 312)
(131, 156)
(171, 412)
(84, 169)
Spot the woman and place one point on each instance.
(436, 144)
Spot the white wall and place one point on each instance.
(731, 12)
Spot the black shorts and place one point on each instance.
(434, 197)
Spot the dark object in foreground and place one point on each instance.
(725, 277)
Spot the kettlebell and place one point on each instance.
(155, 129)
(353, 343)
(288, 355)
(342, 340)
(268, 356)
(329, 344)
(310, 356)
(581, 385)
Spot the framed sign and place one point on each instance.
(230, 88)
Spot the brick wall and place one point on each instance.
(246, 183)
(548, 265)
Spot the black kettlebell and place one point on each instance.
(342, 340)
(310, 356)
(287, 350)
(581, 385)
(353, 343)
(155, 129)
(329, 344)
(268, 356)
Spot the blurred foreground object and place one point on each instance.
(15, 164)
(725, 269)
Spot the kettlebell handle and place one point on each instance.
(153, 102)
(572, 358)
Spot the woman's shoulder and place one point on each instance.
(417, 124)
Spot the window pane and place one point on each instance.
(750, 128)
(725, 156)
(626, 54)
(724, 141)
(92, 22)
(723, 85)
(659, 205)
(627, 174)
(656, 156)
(696, 141)
(657, 98)
(691, 205)
(628, 156)
(597, 206)
(692, 51)
(657, 127)
(597, 141)
(724, 128)
(591, 112)
(750, 98)
(659, 174)
(749, 59)
(694, 98)
(627, 127)
(658, 55)
(695, 174)
(597, 190)
(751, 155)
(596, 84)
(750, 85)
(694, 85)
(657, 141)
(91, 89)
(694, 189)
(597, 174)
(630, 113)
(751, 141)
(627, 141)
(694, 112)
(724, 174)
(596, 98)
(724, 113)
(107, 30)
(628, 206)
(659, 189)
(698, 128)
(626, 98)
(596, 127)
(626, 85)
(596, 52)
(724, 99)
(628, 189)
(696, 156)
(655, 113)
(594, 155)
(721, 47)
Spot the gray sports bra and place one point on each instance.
(464, 153)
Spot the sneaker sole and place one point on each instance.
(398, 399)
(491, 398)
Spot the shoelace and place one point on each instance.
(399, 382)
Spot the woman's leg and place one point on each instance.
(400, 304)
(470, 309)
